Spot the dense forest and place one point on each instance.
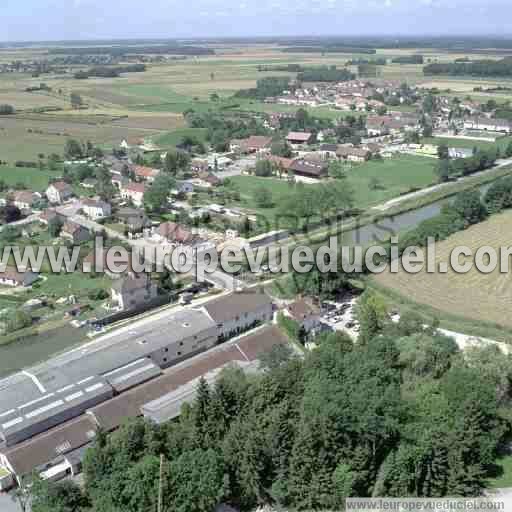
(402, 413)
(501, 67)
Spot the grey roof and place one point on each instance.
(133, 374)
(237, 303)
(242, 352)
(51, 381)
(41, 413)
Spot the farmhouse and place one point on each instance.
(59, 192)
(308, 168)
(133, 191)
(299, 139)
(259, 144)
(352, 154)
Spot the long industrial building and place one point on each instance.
(50, 412)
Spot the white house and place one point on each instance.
(490, 125)
(59, 192)
(133, 291)
(95, 209)
(134, 192)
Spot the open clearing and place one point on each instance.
(475, 296)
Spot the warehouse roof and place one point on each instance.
(110, 415)
(44, 448)
(112, 351)
(34, 416)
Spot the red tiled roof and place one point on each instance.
(145, 172)
(132, 186)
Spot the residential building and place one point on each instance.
(133, 291)
(96, 209)
(59, 192)
(145, 173)
(487, 124)
(352, 154)
(134, 192)
(74, 232)
(305, 313)
(24, 199)
(134, 219)
(176, 233)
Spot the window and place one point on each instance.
(165, 359)
(179, 353)
(166, 350)
(181, 343)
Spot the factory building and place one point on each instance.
(49, 413)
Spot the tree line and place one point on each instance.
(109, 71)
(501, 67)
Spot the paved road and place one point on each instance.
(22, 222)
(8, 505)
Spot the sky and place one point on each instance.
(50, 20)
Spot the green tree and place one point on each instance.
(196, 481)
(263, 197)
(372, 315)
(469, 207)
(264, 168)
(156, 196)
(73, 149)
(56, 497)
(443, 152)
(76, 100)
(55, 226)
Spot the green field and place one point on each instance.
(173, 138)
(34, 179)
(397, 175)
